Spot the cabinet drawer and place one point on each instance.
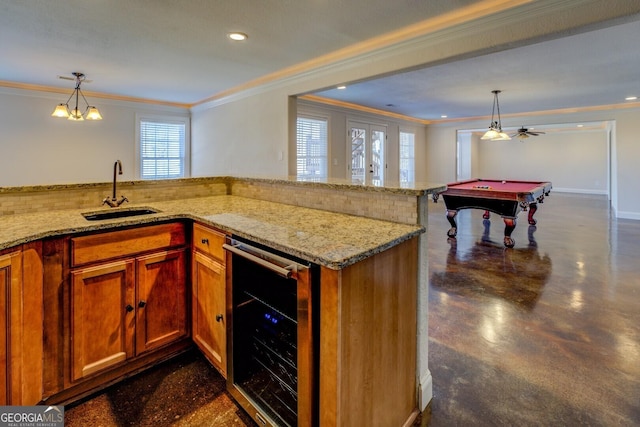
(208, 241)
(116, 244)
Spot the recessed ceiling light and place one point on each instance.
(631, 98)
(444, 116)
(341, 87)
(237, 36)
(580, 126)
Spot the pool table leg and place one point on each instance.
(451, 217)
(533, 207)
(509, 226)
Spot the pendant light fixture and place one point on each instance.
(495, 127)
(90, 112)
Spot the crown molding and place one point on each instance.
(67, 91)
(556, 112)
(361, 108)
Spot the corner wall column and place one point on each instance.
(425, 381)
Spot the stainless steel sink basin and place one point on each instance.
(118, 213)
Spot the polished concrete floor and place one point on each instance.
(544, 334)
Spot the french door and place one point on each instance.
(367, 151)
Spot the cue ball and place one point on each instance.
(504, 182)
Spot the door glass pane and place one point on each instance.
(407, 159)
(377, 157)
(358, 155)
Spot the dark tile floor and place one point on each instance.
(544, 334)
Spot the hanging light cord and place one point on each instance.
(498, 106)
(79, 79)
(493, 110)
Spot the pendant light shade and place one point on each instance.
(492, 133)
(495, 127)
(90, 112)
(93, 114)
(61, 111)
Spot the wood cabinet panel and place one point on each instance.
(368, 341)
(103, 316)
(161, 303)
(56, 315)
(21, 325)
(31, 349)
(209, 241)
(209, 310)
(8, 270)
(122, 243)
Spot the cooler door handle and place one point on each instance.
(282, 271)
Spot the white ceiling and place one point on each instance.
(177, 51)
(600, 67)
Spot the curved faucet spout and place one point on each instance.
(117, 166)
(113, 201)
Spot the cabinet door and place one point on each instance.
(161, 302)
(21, 326)
(208, 310)
(102, 321)
(9, 277)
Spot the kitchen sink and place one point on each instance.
(118, 213)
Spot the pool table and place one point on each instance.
(503, 197)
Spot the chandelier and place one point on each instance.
(90, 112)
(495, 127)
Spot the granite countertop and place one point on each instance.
(414, 189)
(329, 239)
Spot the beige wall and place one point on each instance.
(624, 146)
(245, 138)
(573, 160)
(37, 149)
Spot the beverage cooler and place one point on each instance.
(272, 371)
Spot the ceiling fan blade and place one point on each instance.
(73, 79)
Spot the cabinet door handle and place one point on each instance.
(142, 303)
(205, 241)
(218, 317)
(129, 308)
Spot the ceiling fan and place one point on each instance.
(75, 77)
(523, 133)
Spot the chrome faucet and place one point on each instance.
(113, 200)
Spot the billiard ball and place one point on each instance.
(504, 182)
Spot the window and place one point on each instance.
(163, 147)
(311, 152)
(407, 158)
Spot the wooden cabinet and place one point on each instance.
(21, 325)
(161, 303)
(102, 322)
(209, 301)
(125, 303)
(10, 282)
(367, 342)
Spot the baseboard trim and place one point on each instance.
(425, 391)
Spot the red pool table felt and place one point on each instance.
(498, 188)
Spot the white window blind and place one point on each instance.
(407, 158)
(162, 150)
(311, 153)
